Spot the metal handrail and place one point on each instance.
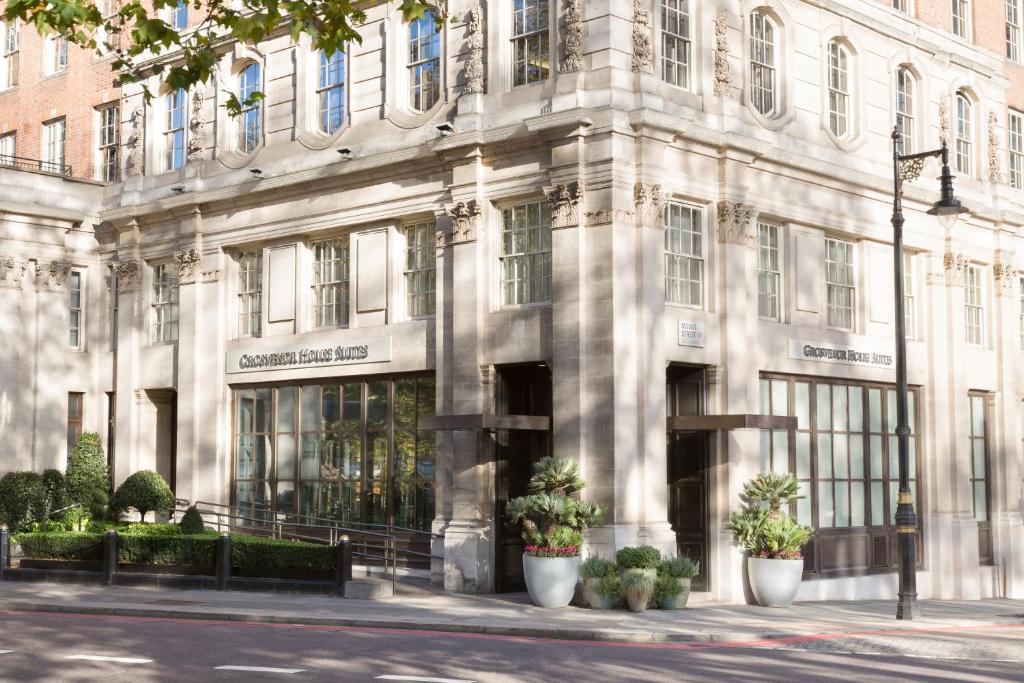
(81, 509)
(35, 165)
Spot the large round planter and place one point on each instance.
(679, 601)
(774, 582)
(551, 581)
(593, 599)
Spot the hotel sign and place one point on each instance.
(368, 350)
(866, 353)
(691, 333)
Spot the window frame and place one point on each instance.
(178, 16)
(13, 151)
(1015, 145)
(340, 287)
(51, 143)
(414, 46)
(1013, 30)
(909, 295)
(56, 55)
(975, 398)
(850, 285)
(693, 258)
(249, 122)
(249, 293)
(838, 80)
(761, 44)
(906, 110)
(174, 133)
(540, 36)
(961, 19)
(75, 418)
(963, 134)
(420, 243)
(327, 90)
(10, 54)
(530, 289)
(108, 149)
(76, 309)
(164, 302)
(767, 271)
(974, 302)
(685, 15)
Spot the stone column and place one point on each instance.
(191, 385)
(131, 330)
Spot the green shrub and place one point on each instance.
(639, 581)
(100, 526)
(270, 554)
(642, 557)
(22, 500)
(61, 546)
(595, 566)
(56, 490)
(144, 491)
(87, 478)
(666, 587)
(610, 586)
(150, 529)
(183, 549)
(678, 567)
(192, 522)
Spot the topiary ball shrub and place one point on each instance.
(192, 522)
(642, 557)
(56, 490)
(88, 480)
(22, 500)
(144, 491)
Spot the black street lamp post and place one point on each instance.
(947, 210)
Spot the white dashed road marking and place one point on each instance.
(262, 669)
(104, 658)
(6, 652)
(420, 679)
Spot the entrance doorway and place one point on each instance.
(522, 390)
(688, 461)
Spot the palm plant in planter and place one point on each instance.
(553, 519)
(771, 538)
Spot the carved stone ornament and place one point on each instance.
(465, 217)
(945, 127)
(650, 205)
(52, 274)
(211, 275)
(734, 223)
(127, 274)
(197, 127)
(956, 267)
(136, 143)
(475, 60)
(189, 263)
(723, 74)
(993, 149)
(565, 203)
(12, 269)
(440, 239)
(572, 37)
(608, 216)
(643, 55)
(1005, 275)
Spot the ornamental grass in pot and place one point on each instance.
(638, 586)
(672, 587)
(553, 519)
(598, 591)
(771, 538)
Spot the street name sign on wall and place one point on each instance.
(859, 351)
(691, 333)
(292, 357)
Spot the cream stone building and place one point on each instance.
(627, 232)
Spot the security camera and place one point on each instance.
(345, 153)
(445, 128)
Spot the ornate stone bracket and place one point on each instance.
(52, 275)
(650, 205)
(993, 149)
(956, 267)
(723, 74)
(475, 60)
(197, 127)
(189, 264)
(12, 269)
(643, 56)
(135, 143)
(565, 203)
(572, 37)
(734, 224)
(1005, 275)
(128, 274)
(465, 218)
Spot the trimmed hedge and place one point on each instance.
(22, 500)
(255, 554)
(181, 549)
(61, 546)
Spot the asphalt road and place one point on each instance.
(52, 647)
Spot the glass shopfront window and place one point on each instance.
(344, 451)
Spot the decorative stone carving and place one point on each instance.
(127, 274)
(565, 203)
(136, 143)
(608, 216)
(465, 217)
(197, 127)
(475, 61)
(1005, 275)
(956, 266)
(12, 269)
(572, 37)
(734, 223)
(52, 274)
(723, 74)
(189, 263)
(650, 205)
(945, 127)
(211, 275)
(440, 239)
(643, 56)
(993, 148)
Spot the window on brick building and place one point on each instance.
(961, 18)
(7, 148)
(56, 54)
(964, 134)
(174, 133)
(905, 110)
(9, 55)
(675, 42)
(179, 16)
(1016, 144)
(531, 52)
(53, 146)
(900, 5)
(1013, 30)
(763, 84)
(109, 143)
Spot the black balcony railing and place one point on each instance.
(35, 165)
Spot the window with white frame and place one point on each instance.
(900, 5)
(526, 254)
(75, 308)
(1013, 30)
(250, 293)
(249, 128)
(9, 55)
(420, 269)
(964, 134)
(174, 130)
(330, 283)
(53, 146)
(8, 148)
(961, 12)
(838, 89)
(330, 92)
(531, 50)
(762, 64)
(675, 42)
(840, 283)
(56, 54)
(905, 114)
(179, 16)
(424, 63)
(977, 424)
(909, 301)
(974, 309)
(165, 302)
(769, 274)
(684, 254)
(1016, 150)
(109, 143)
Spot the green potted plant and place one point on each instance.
(638, 586)
(772, 539)
(592, 571)
(672, 589)
(645, 558)
(609, 589)
(553, 519)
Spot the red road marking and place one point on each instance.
(765, 642)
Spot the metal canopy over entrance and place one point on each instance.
(721, 423)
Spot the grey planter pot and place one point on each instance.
(592, 598)
(551, 581)
(679, 601)
(653, 573)
(774, 583)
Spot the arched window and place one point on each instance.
(762, 64)
(424, 63)
(174, 131)
(964, 134)
(330, 92)
(675, 42)
(249, 118)
(838, 89)
(905, 110)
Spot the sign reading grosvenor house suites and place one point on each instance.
(870, 353)
(368, 350)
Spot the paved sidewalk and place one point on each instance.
(509, 614)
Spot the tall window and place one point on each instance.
(840, 286)
(75, 306)
(174, 132)
(905, 110)
(762, 64)
(53, 146)
(526, 254)
(1013, 30)
(531, 52)
(330, 283)
(909, 307)
(250, 293)
(960, 18)
(165, 302)
(179, 16)
(330, 92)
(7, 149)
(76, 407)
(768, 274)
(838, 89)
(900, 5)
(57, 54)
(249, 118)
(424, 63)
(964, 134)
(420, 275)
(974, 310)
(684, 255)
(675, 42)
(109, 139)
(9, 51)
(979, 455)
(1016, 150)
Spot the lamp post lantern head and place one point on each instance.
(948, 208)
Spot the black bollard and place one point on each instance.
(343, 564)
(109, 557)
(223, 560)
(5, 549)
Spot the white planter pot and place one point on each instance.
(551, 581)
(774, 582)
